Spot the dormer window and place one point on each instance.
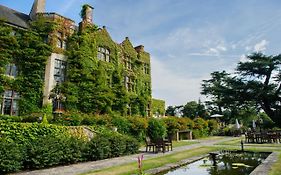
(11, 70)
(103, 54)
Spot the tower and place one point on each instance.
(37, 7)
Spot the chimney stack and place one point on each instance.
(37, 7)
(87, 13)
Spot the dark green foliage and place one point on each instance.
(158, 107)
(111, 144)
(156, 129)
(132, 145)
(11, 156)
(117, 144)
(99, 148)
(255, 85)
(27, 50)
(170, 111)
(171, 124)
(52, 150)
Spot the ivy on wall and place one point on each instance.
(28, 51)
(92, 85)
(158, 106)
(96, 86)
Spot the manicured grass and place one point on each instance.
(184, 143)
(131, 168)
(237, 142)
(276, 168)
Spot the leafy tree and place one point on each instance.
(215, 89)
(260, 78)
(170, 111)
(257, 83)
(193, 109)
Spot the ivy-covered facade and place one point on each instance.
(48, 60)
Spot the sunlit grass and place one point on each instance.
(276, 168)
(131, 168)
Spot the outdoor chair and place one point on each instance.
(169, 144)
(149, 145)
(160, 145)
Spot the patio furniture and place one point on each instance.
(160, 145)
(168, 144)
(149, 145)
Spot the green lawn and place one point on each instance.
(276, 168)
(237, 142)
(184, 143)
(131, 168)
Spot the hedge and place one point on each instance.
(33, 146)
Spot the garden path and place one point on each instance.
(80, 168)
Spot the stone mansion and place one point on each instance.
(135, 61)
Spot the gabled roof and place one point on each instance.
(13, 17)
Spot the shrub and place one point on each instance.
(98, 148)
(171, 124)
(156, 129)
(213, 126)
(117, 144)
(11, 158)
(138, 127)
(121, 123)
(200, 123)
(51, 150)
(132, 145)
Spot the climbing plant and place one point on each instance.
(28, 51)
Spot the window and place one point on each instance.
(9, 105)
(129, 84)
(103, 54)
(146, 68)
(59, 72)
(11, 70)
(60, 42)
(128, 63)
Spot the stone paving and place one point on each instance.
(76, 169)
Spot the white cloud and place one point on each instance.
(175, 89)
(243, 58)
(261, 46)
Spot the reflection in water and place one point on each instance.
(227, 163)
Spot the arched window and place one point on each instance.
(103, 54)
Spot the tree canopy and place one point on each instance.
(257, 82)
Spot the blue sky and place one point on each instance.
(187, 39)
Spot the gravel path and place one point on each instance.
(76, 169)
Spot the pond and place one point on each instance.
(227, 163)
